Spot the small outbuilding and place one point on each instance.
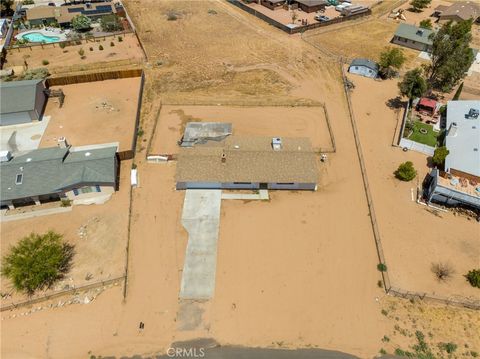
(364, 67)
(413, 37)
(22, 101)
(202, 132)
(309, 6)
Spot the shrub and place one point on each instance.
(442, 271)
(111, 23)
(62, 45)
(140, 132)
(473, 277)
(112, 44)
(100, 48)
(448, 347)
(81, 52)
(426, 24)
(81, 23)
(382, 267)
(379, 284)
(65, 202)
(120, 39)
(37, 261)
(406, 171)
(172, 15)
(45, 62)
(91, 48)
(439, 155)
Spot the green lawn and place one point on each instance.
(430, 138)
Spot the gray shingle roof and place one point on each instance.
(365, 62)
(50, 170)
(414, 33)
(18, 96)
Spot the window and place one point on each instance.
(285, 183)
(19, 179)
(242, 182)
(87, 189)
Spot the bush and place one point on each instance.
(473, 277)
(382, 267)
(111, 23)
(45, 62)
(62, 45)
(37, 261)
(448, 347)
(100, 48)
(81, 23)
(91, 48)
(406, 171)
(112, 44)
(81, 52)
(439, 155)
(442, 271)
(120, 39)
(36, 74)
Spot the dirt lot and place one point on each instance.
(297, 271)
(98, 232)
(93, 113)
(60, 59)
(404, 225)
(247, 121)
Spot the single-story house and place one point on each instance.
(273, 4)
(43, 14)
(458, 11)
(248, 163)
(22, 101)
(460, 183)
(51, 174)
(311, 5)
(364, 67)
(202, 132)
(413, 37)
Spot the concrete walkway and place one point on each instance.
(201, 219)
(38, 213)
(261, 195)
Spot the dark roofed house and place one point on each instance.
(311, 5)
(459, 11)
(413, 37)
(364, 67)
(83, 175)
(21, 101)
(248, 163)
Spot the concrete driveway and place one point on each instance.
(201, 219)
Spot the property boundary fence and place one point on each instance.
(132, 25)
(61, 294)
(330, 132)
(299, 29)
(93, 77)
(389, 289)
(138, 114)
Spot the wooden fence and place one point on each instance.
(72, 291)
(298, 29)
(93, 77)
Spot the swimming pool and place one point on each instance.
(39, 37)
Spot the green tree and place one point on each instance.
(413, 84)
(439, 155)
(111, 23)
(473, 277)
(406, 171)
(37, 261)
(426, 24)
(451, 55)
(81, 23)
(391, 58)
(458, 92)
(6, 8)
(419, 5)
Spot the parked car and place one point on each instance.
(342, 6)
(322, 18)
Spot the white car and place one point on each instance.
(342, 6)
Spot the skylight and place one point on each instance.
(19, 179)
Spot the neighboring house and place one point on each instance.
(273, 4)
(413, 37)
(50, 174)
(459, 11)
(364, 67)
(248, 163)
(43, 15)
(311, 5)
(21, 101)
(202, 132)
(460, 183)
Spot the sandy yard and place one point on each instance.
(297, 271)
(413, 236)
(247, 121)
(98, 233)
(60, 59)
(93, 113)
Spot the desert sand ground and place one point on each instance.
(93, 113)
(60, 59)
(98, 233)
(246, 121)
(413, 237)
(298, 271)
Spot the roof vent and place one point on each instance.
(472, 113)
(88, 154)
(420, 32)
(28, 159)
(5, 156)
(276, 143)
(62, 142)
